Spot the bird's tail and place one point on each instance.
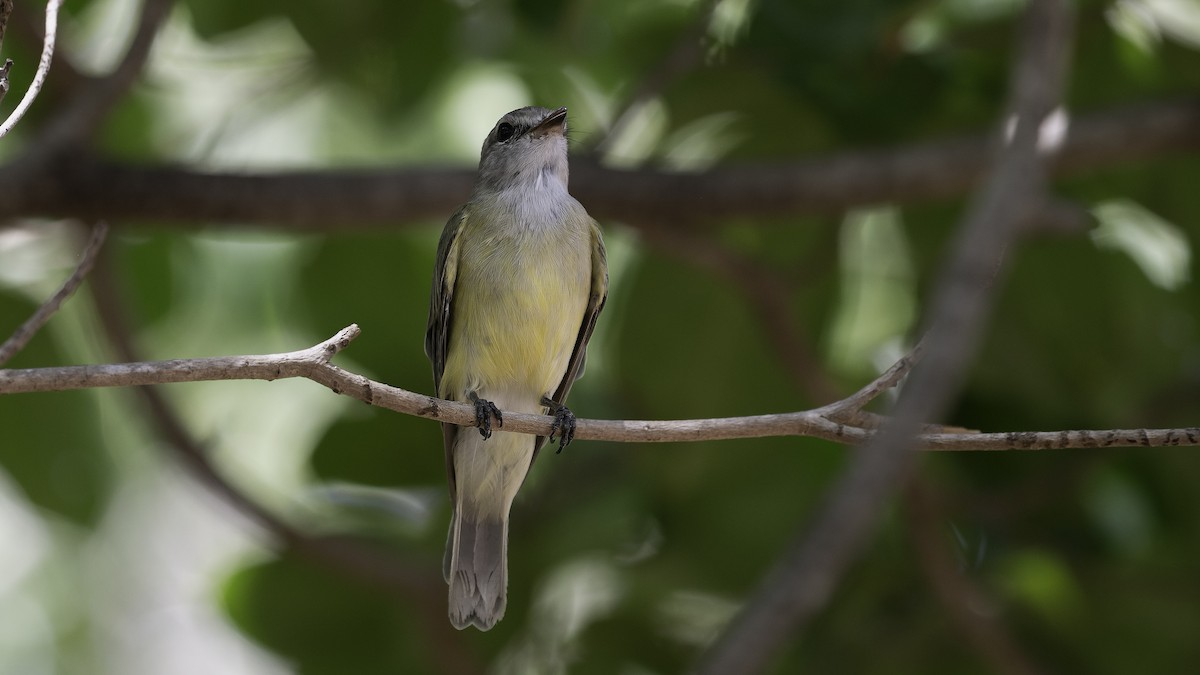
(476, 567)
(487, 476)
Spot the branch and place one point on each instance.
(314, 364)
(39, 77)
(20, 337)
(90, 187)
(6, 8)
(808, 573)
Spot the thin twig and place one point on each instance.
(25, 332)
(43, 68)
(808, 573)
(891, 377)
(314, 364)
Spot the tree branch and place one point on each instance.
(39, 77)
(6, 8)
(20, 337)
(809, 571)
(90, 187)
(314, 364)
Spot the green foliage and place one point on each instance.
(48, 442)
(627, 558)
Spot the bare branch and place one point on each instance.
(85, 186)
(20, 337)
(890, 378)
(314, 364)
(806, 576)
(43, 68)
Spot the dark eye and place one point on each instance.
(504, 132)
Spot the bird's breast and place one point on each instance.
(519, 300)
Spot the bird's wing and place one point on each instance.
(599, 293)
(437, 332)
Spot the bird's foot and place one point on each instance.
(563, 425)
(485, 411)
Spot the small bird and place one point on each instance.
(520, 278)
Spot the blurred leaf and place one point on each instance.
(323, 622)
(50, 442)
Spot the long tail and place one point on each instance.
(476, 567)
(487, 476)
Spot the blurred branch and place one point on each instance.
(971, 612)
(314, 364)
(80, 119)
(765, 294)
(683, 56)
(6, 8)
(408, 580)
(807, 575)
(82, 185)
(39, 77)
(25, 332)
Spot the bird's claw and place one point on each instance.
(563, 425)
(485, 411)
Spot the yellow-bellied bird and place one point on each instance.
(520, 278)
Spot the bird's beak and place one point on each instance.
(555, 123)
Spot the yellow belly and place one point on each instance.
(518, 305)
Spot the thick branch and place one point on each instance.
(808, 573)
(93, 188)
(313, 364)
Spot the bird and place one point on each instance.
(521, 276)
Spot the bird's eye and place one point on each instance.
(504, 132)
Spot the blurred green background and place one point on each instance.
(623, 558)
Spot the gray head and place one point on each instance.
(527, 148)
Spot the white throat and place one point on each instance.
(539, 202)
